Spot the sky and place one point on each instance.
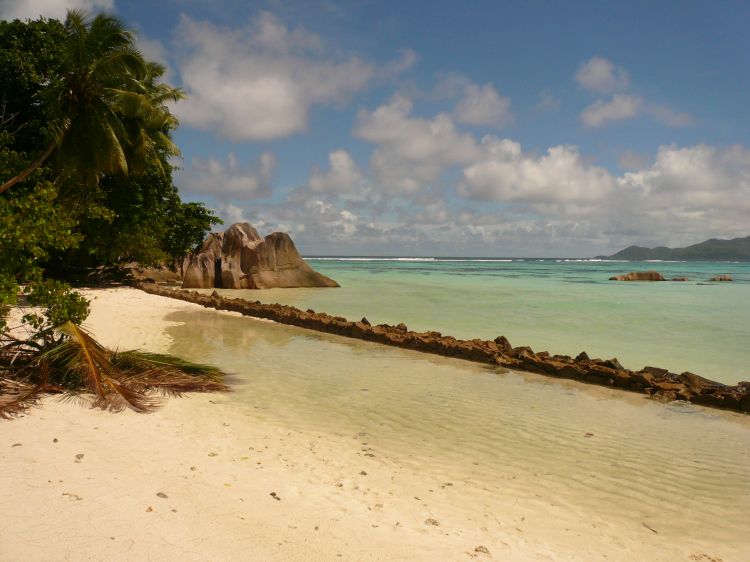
(482, 128)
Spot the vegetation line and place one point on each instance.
(86, 146)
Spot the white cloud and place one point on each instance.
(154, 50)
(412, 151)
(229, 180)
(559, 177)
(694, 181)
(554, 204)
(667, 116)
(338, 222)
(231, 214)
(622, 107)
(57, 9)
(483, 105)
(344, 176)
(260, 81)
(631, 160)
(601, 76)
(406, 60)
(619, 108)
(548, 101)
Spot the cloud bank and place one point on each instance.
(260, 81)
(32, 9)
(229, 180)
(601, 76)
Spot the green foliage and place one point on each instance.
(31, 58)
(33, 224)
(83, 85)
(107, 108)
(85, 180)
(59, 302)
(8, 292)
(149, 225)
(135, 232)
(187, 226)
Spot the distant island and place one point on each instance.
(737, 249)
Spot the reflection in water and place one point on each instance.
(598, 450)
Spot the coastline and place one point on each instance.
(652, 381)
(194, 481)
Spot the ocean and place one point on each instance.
(562, 306)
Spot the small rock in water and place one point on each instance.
(16, 444)
(161, 495)
(274, 496)
(54, 440)
(588, 434)
(613, 364)
(431, 521)
(482, 549)
(503, 344)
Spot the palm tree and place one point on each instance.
(108, 110)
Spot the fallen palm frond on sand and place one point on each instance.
(78, 368)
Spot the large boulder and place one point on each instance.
(721, 278)
(239, 258)
(639, 276)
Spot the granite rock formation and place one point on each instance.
(239, 258)
(721, 278)
(639, 276)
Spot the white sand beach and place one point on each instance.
(202, 479)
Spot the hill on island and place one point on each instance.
(711, 250)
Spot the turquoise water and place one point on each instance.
(601, 460)
(562, 306)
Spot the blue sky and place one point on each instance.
(452, 128)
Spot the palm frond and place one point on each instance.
(16, 398)
(167, 374)
(137, 358)
(83, 371)
(81, 356)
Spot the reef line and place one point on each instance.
(653, 381)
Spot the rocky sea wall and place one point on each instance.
(653, 381)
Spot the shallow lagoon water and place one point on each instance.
(562, 306)
(588, 453)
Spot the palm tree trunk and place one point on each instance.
(28, 171)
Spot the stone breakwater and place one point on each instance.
(655, 382)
